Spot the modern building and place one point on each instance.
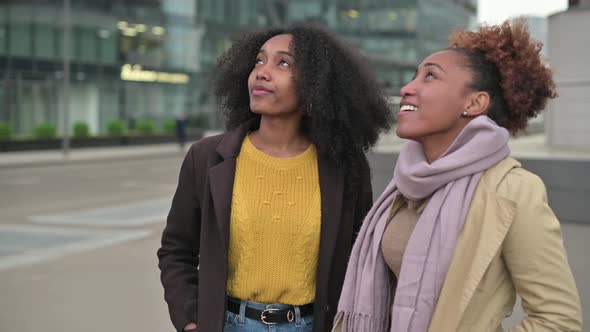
(129, 60)
(568, 119)
(538, 29)
(151, 59)
(395, 35)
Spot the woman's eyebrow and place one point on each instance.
(263, 51)
(432, 64)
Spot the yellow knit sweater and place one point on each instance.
(275, 227)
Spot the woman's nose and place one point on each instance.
(407, 90)
(262, 73)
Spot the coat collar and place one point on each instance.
(230, 144)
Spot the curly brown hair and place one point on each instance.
(506, 63)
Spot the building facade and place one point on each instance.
(567, 119)
(151, 59)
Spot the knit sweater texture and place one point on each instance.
(275, 227)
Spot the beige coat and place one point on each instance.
(511, 243)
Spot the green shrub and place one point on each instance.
(145, 126)
(169, 126)
(5, 131)
(45, 130)
(116, 128)
(81, 129)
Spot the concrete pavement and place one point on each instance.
(78, 244)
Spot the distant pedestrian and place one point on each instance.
(269, 210)
(462, 228)
(181, 129)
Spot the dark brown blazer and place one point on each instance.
(194, 253)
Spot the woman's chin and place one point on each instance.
(401, 133)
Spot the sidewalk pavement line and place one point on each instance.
(102, 216)
(39, 255)
(59, 160)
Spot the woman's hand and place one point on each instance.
(190, 326)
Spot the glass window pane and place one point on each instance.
(45, 42)
(20, 40)
(88, 44)
(59, 40)
(3, 39)
(108, 47)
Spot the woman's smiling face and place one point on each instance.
(433, 102)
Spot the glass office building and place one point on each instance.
(151, 59)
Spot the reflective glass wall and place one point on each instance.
(150, 59)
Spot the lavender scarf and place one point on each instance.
(365, 303)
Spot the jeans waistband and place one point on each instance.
(262, 306)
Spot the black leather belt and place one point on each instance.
(271, 316)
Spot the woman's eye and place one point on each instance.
(429, 74)
(284, 63)
(258, 61)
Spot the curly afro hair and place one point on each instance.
(506, 63)
(343, 106)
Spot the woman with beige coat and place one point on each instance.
(462, 228)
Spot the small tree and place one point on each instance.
(145, 126)
(81, 129)
(169, 126)
(5, 132)
(116, 128)
(45, 130)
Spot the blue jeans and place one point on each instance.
(241, 323)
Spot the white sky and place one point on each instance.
(496, 11)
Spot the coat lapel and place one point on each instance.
(487, 224)
(222, 175)
(221, 179)
(498, 215)
(332, 193)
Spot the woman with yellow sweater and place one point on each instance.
(264, 216)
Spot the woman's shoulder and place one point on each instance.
(509, 179)
(206, 144)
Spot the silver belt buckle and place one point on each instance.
(263, 316)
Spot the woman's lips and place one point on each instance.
(260, 90)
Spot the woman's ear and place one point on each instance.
(477, 104)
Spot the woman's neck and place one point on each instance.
(433, 151)
(280, 136)
(435, 145)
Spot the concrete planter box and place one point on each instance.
(90, 142)
(30, 144)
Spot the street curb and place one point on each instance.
(89, 160)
